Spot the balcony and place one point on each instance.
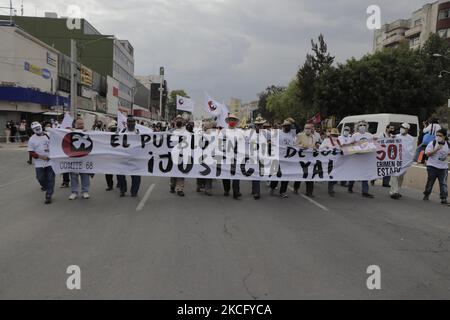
(413, 32)
(393, 40)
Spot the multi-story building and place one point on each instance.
(235, 106)
(416, 30)
(153, 84)
(103, 54)
(29, 76)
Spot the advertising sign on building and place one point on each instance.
(86, 76)
(42, 72)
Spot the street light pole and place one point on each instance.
(73, 79)
(161, 73)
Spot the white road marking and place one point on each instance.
(146, 196)
(15, 181)
(312, 201)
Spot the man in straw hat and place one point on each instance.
(232, 122)
(332, 142)
(256, 185)
(286, 139)
(177, 184)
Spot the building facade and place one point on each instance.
(28, 76)
(430, 19)
(101, 53)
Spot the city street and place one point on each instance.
(160, 246)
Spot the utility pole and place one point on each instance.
(161, 73)
(73, 78)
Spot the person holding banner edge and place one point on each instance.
(232, 122)
(360, 136)
(135, 180)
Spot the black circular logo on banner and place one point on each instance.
(77, 145)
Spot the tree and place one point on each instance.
(263, 100)
(172, 102)
(308, 75)
(394, 80)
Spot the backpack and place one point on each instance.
(427, 139)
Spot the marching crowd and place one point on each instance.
(290, 134)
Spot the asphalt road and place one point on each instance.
(159, 246)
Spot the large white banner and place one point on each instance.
(228, 154)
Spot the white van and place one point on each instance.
(379, 122)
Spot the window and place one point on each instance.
(414, 41)
(444, 14)
(412, 131)
(444, 33)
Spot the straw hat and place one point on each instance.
(260, 120)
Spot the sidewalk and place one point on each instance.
(13, 146)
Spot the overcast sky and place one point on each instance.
(229, 48)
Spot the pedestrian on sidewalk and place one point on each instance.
(437, 165)
(408, 154)
(8, 132)
(39, 149)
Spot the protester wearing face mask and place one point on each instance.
(232, 122)
(408, 149)
(130, 129)
(112, 127)
(437, 165)
(345, 140)
(306, 140)
(256, 185)
(286, 138)
(39, 149)
(76, 178)
(177, 184)
(331, 143)
(362, 135)
(387, 134)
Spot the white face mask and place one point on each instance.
(362, 130)
(346, 133)
(38, 131)
(403, 131)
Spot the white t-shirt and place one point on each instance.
(439, 159)
(432, 129)
(331, 143)
(359, 137)
(345, 140)
(408, 149)
(41, 146)
(287, 139)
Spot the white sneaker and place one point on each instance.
(73, 196)
(86, 195)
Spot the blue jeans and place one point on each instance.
(365, 186)
(442, 176)
(85, 182)
(46, 178)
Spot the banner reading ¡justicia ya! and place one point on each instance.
(224, 154)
